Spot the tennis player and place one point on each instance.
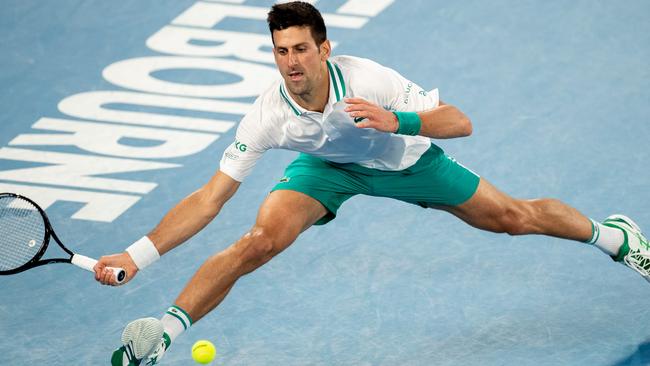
(362, 128)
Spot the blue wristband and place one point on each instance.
(409, 123)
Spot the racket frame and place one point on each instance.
(49, 233)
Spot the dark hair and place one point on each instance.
(300, 14)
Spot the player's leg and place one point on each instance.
(310, 192)
(490, 209)
(439, 181)
(281, 218)
(493, 210)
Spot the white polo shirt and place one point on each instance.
(278, 122)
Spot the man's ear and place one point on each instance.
(325, 49)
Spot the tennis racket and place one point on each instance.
(25, 233)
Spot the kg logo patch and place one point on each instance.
(241, 147)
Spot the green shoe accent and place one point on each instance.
(622, 252)
(118, 357)
(167, 340)
(616, 220)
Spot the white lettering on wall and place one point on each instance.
(75, 170)
(136, 73)
(99, 206)
(245, 46)
(364, 7)
(102, 138)
(207, 15)
(93, 105)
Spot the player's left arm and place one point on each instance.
(443, 122)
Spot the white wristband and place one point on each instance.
(143, 252)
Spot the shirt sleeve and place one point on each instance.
(394, 92)
(239, 159)
(406, 96)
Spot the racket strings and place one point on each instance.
(22, 232)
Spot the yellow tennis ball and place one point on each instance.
(203, 351)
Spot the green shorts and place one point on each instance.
(435, 179)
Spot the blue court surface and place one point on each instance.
(112, 111)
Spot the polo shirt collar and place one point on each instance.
(337, 84)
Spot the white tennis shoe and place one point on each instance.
(635, 251)
(144, 343)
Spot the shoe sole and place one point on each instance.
(151, 328)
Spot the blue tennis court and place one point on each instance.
(114, 111)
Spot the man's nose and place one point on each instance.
(293, 59)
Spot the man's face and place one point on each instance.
(300, 61)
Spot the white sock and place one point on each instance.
(175, 321)
(605, 238)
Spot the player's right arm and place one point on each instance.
(180, 223)
(193, 213)
(196, 210)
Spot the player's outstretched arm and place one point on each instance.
(442, 122)
(184, 220)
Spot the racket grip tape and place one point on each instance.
(88, 264)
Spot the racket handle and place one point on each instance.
(88, 264)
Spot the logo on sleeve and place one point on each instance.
(407, 92)
(239, 146)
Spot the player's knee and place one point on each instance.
(258, 246)
(515, 220)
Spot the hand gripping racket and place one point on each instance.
(25, 232)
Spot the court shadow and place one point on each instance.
(640, 357)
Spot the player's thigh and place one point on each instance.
(485, 209)
(284, 214)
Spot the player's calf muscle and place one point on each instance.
(556, 218)
(545, 216)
